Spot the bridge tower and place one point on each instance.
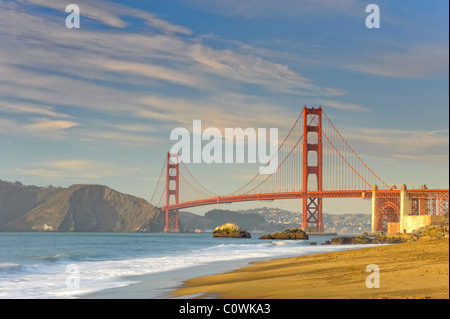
(312, 207)
(172, 190)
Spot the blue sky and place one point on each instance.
(96, 105)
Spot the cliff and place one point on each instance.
(79, 208)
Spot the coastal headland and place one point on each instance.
(415, 270)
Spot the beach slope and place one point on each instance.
(409, 270)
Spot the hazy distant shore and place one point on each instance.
(410, 270)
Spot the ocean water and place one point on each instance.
(73, 265)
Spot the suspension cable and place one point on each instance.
(355, 152)
(159, 179)
(276, 153)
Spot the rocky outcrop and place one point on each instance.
(291, 233)
(231, 230)
(395, 239)
(434, 232)
(351, 240)
(381, 239)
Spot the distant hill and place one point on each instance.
(274, 220)
(16, 200)
(79, 208)
(348, 224)
(218, 217)
(98, 208)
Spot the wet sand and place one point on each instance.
(410, 270)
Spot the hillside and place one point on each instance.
(79, 208)
(218, 217)
(97, 208)
(279, 220)
(16, 200)
(274, 220)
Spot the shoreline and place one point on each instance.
(414, 270)
(162, 285)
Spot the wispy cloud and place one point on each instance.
(38, 128)
(128, 77)
(343, 105)
(226, 110)
(110, 14)
(153, 71)
(110, 85)
(127, 138)
(30, 109)
(254, 70)
(424, 61)
(49, 125)
(335, 92)
(270, 8)
(92, 62)
(398, 145)
(73, 169)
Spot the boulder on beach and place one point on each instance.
(231, 230)
(291, 233)
(381, 239)
(351, 240)
(395, 239)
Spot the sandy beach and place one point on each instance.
(411, 270)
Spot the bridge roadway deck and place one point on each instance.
(364, 194)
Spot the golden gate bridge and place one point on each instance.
(316, 163)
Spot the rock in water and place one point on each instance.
(291, 233)
(231, 230)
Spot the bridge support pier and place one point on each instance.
(391, 211)
(405, 207)
(172, 190)
(172, 225)
(375, 207)
(312, 207)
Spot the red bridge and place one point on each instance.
(315, 163)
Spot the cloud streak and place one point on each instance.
(110, 14)
(270, 8)
(88, 71)
(400, 145)
(105, 84)
(74, 169)
(343, 105)
(48, 125)
(30, 109)
(424, 61)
